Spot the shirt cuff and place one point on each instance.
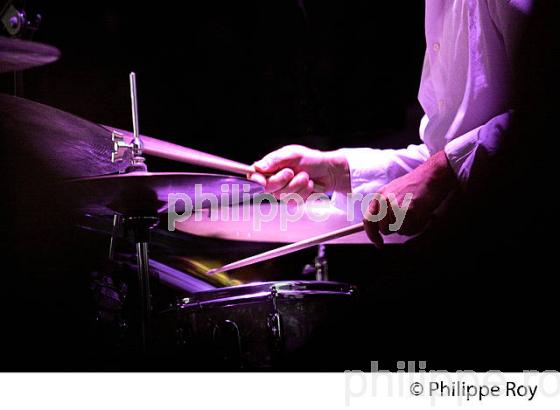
(368, 173)
(460, 154)
(470, 154)
(368, 168)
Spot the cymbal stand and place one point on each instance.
(121, 149)
(141, 225)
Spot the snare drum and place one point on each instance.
(277, 325)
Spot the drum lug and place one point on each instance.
(319, 267)
(273, 320)
(275, 328)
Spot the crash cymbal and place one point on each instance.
(16, 55)
(146, 193)
(266, 222)
(62, 143)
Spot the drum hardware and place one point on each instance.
(120, 148)
(319, 266)
(264, 325)
(273, 321)
(275, 328)
(134, 148)
(141, 223)
(16, 22)
(141, 226)
(12, 19)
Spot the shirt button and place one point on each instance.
(441, 103)
(436, 47)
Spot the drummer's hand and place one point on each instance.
(298, 169)
(429, 185)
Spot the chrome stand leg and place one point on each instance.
(142, 227)
(142, 261)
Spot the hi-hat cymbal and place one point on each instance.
(146, 193)
(16, 55)
(62, 143)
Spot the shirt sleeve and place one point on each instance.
(469, 153)
(370, 168)
(510, 16)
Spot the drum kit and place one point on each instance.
(250, 325)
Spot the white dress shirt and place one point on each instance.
(464, 91)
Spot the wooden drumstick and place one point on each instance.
(293, 247)
(168, 150)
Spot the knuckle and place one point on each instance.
(287, 174)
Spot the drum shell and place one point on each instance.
(291, 325)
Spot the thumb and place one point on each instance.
(372, 231)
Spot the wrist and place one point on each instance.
(443, 175)
(339, 170)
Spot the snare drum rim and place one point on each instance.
(266, 290)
